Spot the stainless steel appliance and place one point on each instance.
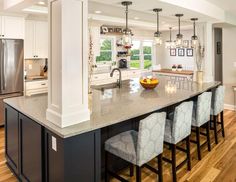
(11, 71)
(123, 63)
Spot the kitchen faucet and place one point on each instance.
(118, 80)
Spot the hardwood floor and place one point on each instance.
(217, 165)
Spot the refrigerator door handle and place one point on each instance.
(3, 66)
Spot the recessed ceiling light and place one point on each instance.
(41, 3)
(97, 12)
(136, 18)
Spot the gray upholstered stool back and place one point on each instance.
(218, 100)
(150, 137)
(203, 110)
(182, 121)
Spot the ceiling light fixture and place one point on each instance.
(170, 44)
(127, 37)
(41, 3)
(194, 37)
(157, 34)
(98, 12)
(179, 36)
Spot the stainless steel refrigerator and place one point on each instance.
(11, 71)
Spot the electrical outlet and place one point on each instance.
(30, 67)
(54, 143)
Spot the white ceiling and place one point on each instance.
(228, 5)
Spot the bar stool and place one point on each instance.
(217, 109)
(201, 117)
(140, 147)
(177, 130)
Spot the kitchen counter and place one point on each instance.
(112, 106)
(169, 71)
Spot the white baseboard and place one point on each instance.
(229, 107)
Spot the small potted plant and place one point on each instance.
(179, 67)
(174, 67)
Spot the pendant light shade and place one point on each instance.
(127, 37)
(157, 34)
(179, 36)
(170, 44)
(194, 37)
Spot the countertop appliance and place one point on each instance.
(123, 63)
(11, 71)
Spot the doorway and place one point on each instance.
(218, 54)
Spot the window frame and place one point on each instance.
(142, 40)
(113, 50)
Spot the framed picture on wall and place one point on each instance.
(189, 52)
(172, 52)
(180, 52)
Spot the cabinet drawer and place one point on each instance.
(100, 76)
(36, 85)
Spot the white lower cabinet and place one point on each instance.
(104, 78)
(36, 87)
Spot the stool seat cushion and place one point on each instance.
(124, 145)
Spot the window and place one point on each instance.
(135, 55)
(147, 54)
(106, 50)
(141, 54)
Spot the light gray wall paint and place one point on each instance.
(163, 54)
(229, 57)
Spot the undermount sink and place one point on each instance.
(105, 86)
(110, 85)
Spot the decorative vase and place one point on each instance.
(200, 77)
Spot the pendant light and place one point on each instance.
(127, 37)
(157, 34)
(194, 37)
(179, 36)
(169, 43)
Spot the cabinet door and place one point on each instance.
(41, 39)
(13, 27)
(31, 150)
(12, 138)
(29, 39)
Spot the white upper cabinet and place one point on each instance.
(36, 39)
(12, 27)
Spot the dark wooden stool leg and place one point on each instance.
(173, 159)
(208, 135)
(106, 167)
(188, 152)
(222, 123)
(138, 174)
(215, 128)
(160, 170)
(131, 170)
(198, 143)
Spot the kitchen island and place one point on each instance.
(76, 153)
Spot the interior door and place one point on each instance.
(12, 55)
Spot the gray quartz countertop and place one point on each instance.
(112, 106)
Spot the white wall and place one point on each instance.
(229, 57)
(163, 54)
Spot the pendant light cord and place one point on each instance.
(157, 21)
(179, 25)
(126, 12)
(194, 28)
(170, 34)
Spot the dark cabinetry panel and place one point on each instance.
(75, 159)
(31, 149)
(12, 138)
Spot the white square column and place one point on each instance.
(68, 62)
